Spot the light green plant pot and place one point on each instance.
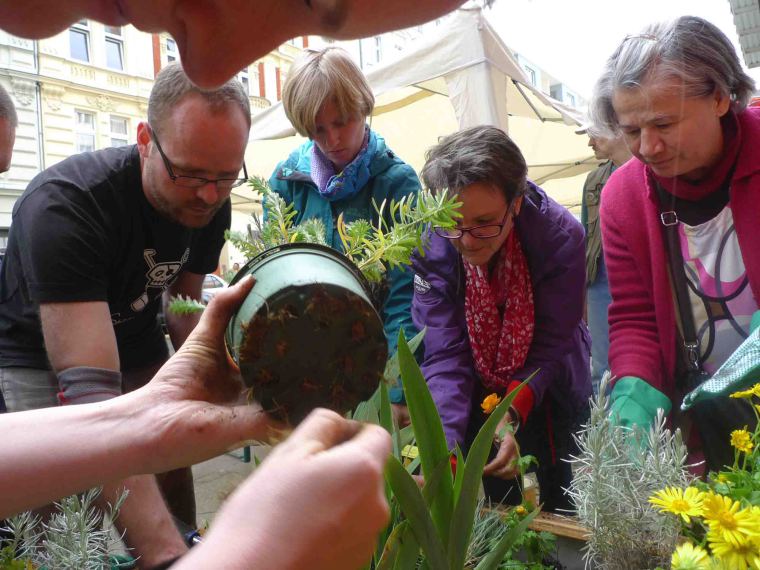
(307, 335)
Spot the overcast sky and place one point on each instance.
(571, 39)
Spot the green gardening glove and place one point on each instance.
(636, 402)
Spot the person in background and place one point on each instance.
(8, 125)
(96, 242)
(615, 153)
(678, 95)
(501, 296)
(344, 169)
(189, 412)
(218, 38)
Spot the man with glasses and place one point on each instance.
(96, 242)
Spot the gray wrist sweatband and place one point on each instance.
(87, 384)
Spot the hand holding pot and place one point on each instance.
(317, 502)
(197, 395)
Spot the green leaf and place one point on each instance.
(409, 552)
(429, 434)
(413, 506)
(392, 547)
(413, 465)
(433, 483)
(392, 368)
(464, 512)
(459, 474)
(366, 412)
(492, 560)
(185, 306)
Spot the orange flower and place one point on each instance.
(489, 403)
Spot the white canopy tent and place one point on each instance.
(462, 76)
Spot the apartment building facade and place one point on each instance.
(87, 88)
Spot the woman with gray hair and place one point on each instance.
(501, 296)
(344, 169)
(680, 227)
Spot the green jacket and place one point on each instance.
(390, 179)
(592, 192)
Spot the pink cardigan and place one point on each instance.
(642, 313)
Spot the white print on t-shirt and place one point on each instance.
(159, 276)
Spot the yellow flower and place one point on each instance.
(754, 391)
(742, 440)
(520, 510)
(725, 517)
(690, 557)
(489, 403)
(712, 505)
(684, 503)
(738, 556)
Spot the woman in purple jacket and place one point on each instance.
(502, 297)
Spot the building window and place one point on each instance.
(256, 82)
(85, 131)
(571, 99)
(114, 48)
(119, 131)
(171, 50)
(243, 78)
(531, 75)
(79, 40)
(378, 49)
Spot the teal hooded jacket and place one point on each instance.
(390, 179)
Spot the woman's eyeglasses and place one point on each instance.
(481, 232)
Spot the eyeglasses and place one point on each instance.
(197, 181)
(480, 232)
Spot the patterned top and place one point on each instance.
(721, 298)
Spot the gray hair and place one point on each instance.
(7, 108)
(689, 48)
(482, 154)
(172, 85)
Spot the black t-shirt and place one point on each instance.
(84, 231)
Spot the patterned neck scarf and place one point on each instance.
(500, 344)
(336, 186)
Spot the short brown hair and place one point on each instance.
(320, 75)
(172, 85)
(483, 155)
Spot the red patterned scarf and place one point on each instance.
(500, 344)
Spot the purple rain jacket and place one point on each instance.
(553, 242)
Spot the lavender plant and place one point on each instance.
(73, 537)
(616, 470)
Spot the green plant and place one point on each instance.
(615, 472)
(73, 536)
(370, 247)
(439, 518)
(490, 527)
(720, 516)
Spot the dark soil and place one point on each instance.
(313, 346)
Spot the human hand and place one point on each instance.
(504, 465)
(193, 405)
(401, 415)
(316, 502)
